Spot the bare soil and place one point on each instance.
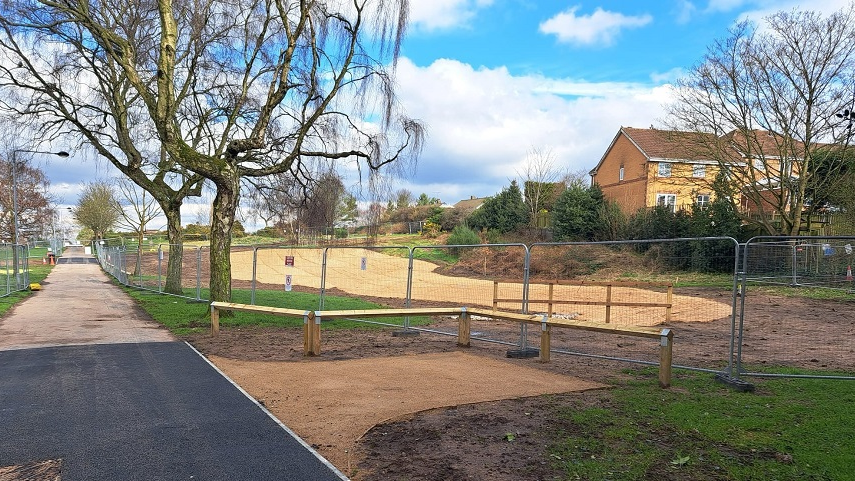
(468, 439)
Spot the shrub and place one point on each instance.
(269, 232)
(429, 229)
(462, 235)
(505, 212)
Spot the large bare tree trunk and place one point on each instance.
(174, 267)
(224, 208)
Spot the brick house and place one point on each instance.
(650, 167)
(643, 168)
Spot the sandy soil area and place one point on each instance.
(333, 403)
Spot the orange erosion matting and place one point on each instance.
(331, 404)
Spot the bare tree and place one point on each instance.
(540, 176)
(136, 209)
(97, 209)
(34, 210)
(228, 90)
(768, 98)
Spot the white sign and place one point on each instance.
(363, 263)
(288, 283)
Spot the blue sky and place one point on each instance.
(495, 79)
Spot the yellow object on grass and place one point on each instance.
(35, 286)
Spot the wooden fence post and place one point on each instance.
(666, 342)
(668, 300)
(495, 295)
(215, 320)
(549, 310)
(545, 339)
(608, 303)
(308, 320)
(464, 329)
(316, 333)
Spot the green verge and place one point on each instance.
(38, 272)
(186, 317)
(787, 430)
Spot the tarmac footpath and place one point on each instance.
(132, 409)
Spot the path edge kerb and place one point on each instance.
(288, 430)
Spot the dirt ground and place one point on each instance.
(468, 439)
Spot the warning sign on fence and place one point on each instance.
(288, 283)
(289, 261)
(363, 264)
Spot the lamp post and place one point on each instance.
(15, 257)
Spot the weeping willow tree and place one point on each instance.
(228, 89)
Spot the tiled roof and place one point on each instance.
(471, 203)
(671, 144)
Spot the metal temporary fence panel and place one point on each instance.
(689, 285)
(465, 275)
(375, 274)
(10, 277)
(279, 271)
(472, 276)
(781, 331)
(147, 267)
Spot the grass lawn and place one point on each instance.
(184, 317)
(38, 272)
(788, 429)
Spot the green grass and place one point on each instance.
(38, 272)
(441, 256)
(789, 429)
(185, 317)
(818, 293)
(37, 254)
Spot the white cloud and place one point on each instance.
(598, 28)
(670, 76)
(444, 14)
(725, 5)
(685, 10)
(758, 10)
(482, 122)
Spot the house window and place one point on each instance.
(620, 174)
(703, 201)
(759, 164)
(666, 200)
(699, 170)
(664, 169)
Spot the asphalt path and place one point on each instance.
(140, 411)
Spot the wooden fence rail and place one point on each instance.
(312, 326)
(608, 302)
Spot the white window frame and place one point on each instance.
(699, 170)
(703, 204)
(664, 169)
(667, 200)
(620, 173)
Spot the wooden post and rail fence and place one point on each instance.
(608, 300)
(312, 326)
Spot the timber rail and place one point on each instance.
(312, 326)
(608, 300)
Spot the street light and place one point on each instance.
(15, 259)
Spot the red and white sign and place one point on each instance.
(289, 261)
